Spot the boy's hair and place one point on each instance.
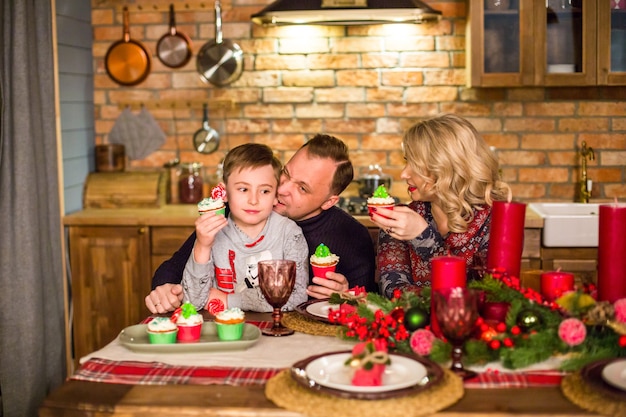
(250, 155)
(326, 146)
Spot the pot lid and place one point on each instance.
(345, 12)
(375, 171)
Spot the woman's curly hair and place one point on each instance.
(448, 152)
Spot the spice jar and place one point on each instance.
(190, 183)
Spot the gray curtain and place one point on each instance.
(32, 358)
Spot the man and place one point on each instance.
(309, 189)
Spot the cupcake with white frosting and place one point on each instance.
(230, 323)
(162, 330)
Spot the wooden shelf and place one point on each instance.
(217, 104)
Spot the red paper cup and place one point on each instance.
(371, 207)
(189, 334)
(321, 270)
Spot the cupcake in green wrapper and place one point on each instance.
(230, 324)
(162, 330)
(215, 202)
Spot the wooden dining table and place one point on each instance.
(77, 398)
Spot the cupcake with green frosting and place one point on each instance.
(189, 323)
(380, 199)
(323, 261)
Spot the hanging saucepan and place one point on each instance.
(220, 61)
(127, 61)
(206, 139)
(174, 48)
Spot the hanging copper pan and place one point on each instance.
(127, 61)
(174, 48)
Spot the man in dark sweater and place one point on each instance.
(309, 189)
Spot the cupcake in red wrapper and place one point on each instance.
(380, 199)
(369, 360)
(189, 323)
(323, 261)
(215, 202)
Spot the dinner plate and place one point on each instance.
(615, 373)
(136, 339)
(328, 373)
(592, 375)
(317, 309)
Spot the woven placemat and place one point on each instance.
(585, 396)
(288, 394)
(303, 324)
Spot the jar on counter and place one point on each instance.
(190, 184)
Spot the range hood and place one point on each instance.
(345, 12)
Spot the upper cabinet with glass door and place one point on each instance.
(546, 43)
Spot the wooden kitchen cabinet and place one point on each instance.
(537, 43)
(110, 272)
(165, 241)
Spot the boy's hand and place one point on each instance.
(207, 227)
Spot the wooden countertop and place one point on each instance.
(185, 215)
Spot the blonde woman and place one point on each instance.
(453, 179)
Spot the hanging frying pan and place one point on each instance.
(206, 139)
(174, 48)
(127, 61)
(219, 62)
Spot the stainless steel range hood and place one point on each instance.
(345, 12)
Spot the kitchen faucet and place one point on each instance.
(585, 183)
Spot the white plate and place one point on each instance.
(615, 374)
(321, 309)
(330, 371)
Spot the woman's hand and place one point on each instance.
(334, 282)
(401, 223)
(207, 227)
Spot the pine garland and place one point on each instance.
(529, 334)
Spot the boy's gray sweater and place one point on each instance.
(233, 265)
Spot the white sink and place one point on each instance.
(572, 225)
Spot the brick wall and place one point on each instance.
(364, 84)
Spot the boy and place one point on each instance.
(223, 262)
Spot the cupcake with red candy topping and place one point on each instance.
(215, 202)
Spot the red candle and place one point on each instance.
(555, 284)
(493, 311)
(506, 238)
(612, 252)
(446, 272)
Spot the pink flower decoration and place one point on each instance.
(620, 310)
(422, 342)
(572, 331)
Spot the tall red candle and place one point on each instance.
(612, 252)
(506, 238)
(446, 272)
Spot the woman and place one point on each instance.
(453, 179)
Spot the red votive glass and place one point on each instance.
(555, 284)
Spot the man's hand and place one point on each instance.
(334, 282)
(164, 298)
